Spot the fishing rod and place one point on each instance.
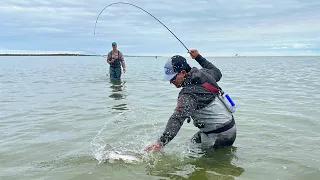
(94, 32)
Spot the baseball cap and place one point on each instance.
(114, 43)
(173, 66)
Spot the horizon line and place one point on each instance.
(82, 54)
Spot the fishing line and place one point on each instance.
(94, 53)
(94, 32)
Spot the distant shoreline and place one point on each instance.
(46, 55)
(66, 54)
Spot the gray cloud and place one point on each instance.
(213, 26)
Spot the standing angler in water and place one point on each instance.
(200, 99)
(115, 59)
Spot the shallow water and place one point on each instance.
(56, 113)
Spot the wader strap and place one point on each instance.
(224, 128)
(216, 91)
(117, 63)
(210, 87)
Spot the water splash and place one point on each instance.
(129, 133)
(98, 145)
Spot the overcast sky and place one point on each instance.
(215, 27)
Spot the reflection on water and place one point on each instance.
(118, 93)
(120, 107)
(117, 88)
(212, 165)
(217, 165)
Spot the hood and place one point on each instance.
(199, 76)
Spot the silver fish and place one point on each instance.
(127, 157)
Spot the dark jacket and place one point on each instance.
(192, 96)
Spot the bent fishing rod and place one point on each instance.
(94, 32)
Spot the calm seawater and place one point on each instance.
(57, 113)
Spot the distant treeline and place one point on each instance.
(46, 55)
(66, 55)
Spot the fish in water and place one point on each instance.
(127, 157)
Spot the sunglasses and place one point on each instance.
(174, 77)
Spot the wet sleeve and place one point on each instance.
(122, 60)
(185, 107)
(214, 71)
(121, 56)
